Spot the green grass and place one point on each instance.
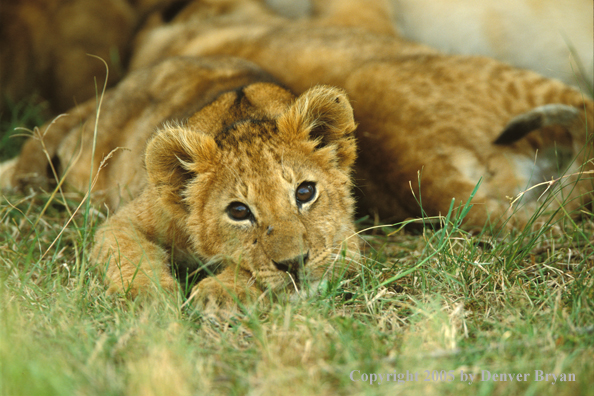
(440, 300)
(24, 114)
(437, 301)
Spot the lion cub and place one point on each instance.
(254, 187)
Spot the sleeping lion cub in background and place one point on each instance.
(243, 181)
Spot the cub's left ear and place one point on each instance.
(324, 116)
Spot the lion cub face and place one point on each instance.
(263, 181)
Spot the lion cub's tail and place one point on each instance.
(537, 118)
(551, 141)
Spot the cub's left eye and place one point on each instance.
(238, 211)
(305, 192)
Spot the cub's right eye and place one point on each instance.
(238, 211)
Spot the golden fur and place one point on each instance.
(248, 143)
(419, 112)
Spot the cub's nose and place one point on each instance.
(292, 265)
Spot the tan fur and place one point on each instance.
(419, 112)
(250, 142)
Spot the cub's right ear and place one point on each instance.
(176, 154)
(323, 115)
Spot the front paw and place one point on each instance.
(214, 296)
